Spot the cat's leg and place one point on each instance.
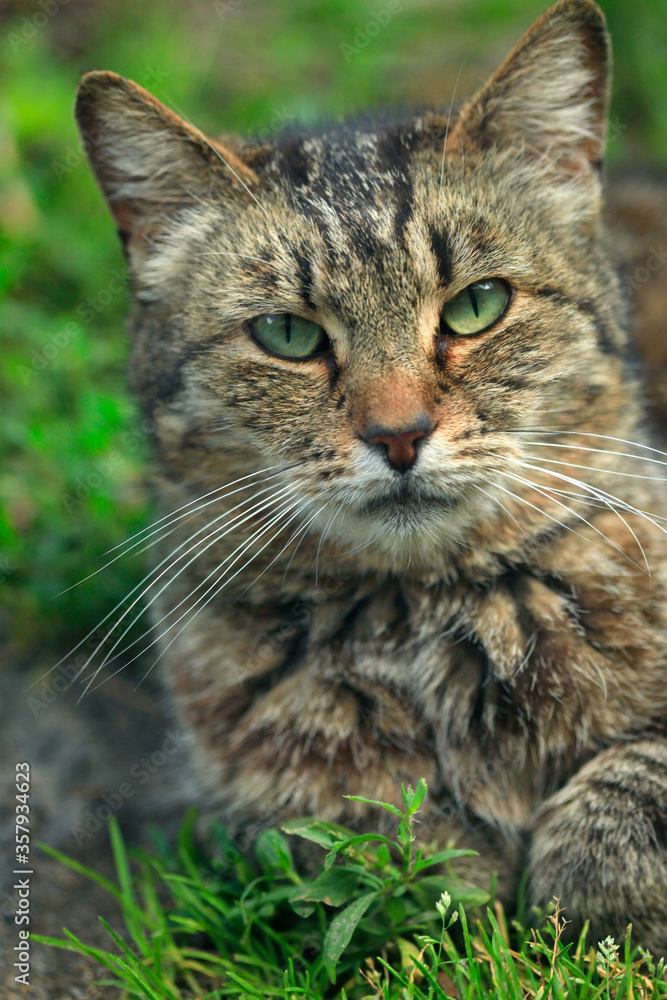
(600, 844)
(277, 736)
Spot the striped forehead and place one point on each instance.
(345, 185)
(357, 194)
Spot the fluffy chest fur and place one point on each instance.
(497, 690)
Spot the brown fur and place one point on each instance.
(462, 622)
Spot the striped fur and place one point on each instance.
(463, 622)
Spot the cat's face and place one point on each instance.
(381, 311)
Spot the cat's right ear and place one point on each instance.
(547, 104)
(149, 162)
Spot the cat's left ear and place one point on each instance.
(548, 101)
(150, 163)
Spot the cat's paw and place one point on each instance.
(599, 845)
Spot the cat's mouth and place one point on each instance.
(409, 502)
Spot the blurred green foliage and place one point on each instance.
(72, 457)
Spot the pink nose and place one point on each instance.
(400, 446)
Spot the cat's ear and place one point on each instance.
(548, 101)
(149, 162)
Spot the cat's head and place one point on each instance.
(383, 309)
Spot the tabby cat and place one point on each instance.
(413, 522)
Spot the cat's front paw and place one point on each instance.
(600, 845)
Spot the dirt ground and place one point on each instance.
(117, 750)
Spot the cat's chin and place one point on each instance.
(407, 508)
(408, 527)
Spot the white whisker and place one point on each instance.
(219, 489)
(141, 583)
(528, 482)
(132, 542)
(323, 536)
(303, 533)
(603, 493)
(215, 537)
(302, 529)
(597, 451)
(603, 437)
(222, 160)
(539, 510)
(607, 472)
(222, 585)
(243, 546)
(503, 507)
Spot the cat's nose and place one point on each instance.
(400, 446)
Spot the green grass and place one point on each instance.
(378, 918)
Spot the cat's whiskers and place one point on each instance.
(604, 471)
(593, 501)
(623, 504)
(603, 437)
(303, 531)
(154, 569)
(300, 529)
(215, 536)
(215, 493)
(134, 541)
(607, 472)
(544, 492)
(544, 513)
(322, 540)
(247, 543)
(612, 503)
(503, 507)
(223, 584)
(609, 500)
(597, 451)
(190, 515)
(613, 508)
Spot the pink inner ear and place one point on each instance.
(135, 231)
(126, 215)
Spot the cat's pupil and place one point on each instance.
(476, 307)
(289, 335)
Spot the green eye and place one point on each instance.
(477, 307)
(289, 336)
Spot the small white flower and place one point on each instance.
(607, 952)
(443, 904)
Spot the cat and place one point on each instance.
(413, 520)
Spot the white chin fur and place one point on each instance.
(422, 533)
